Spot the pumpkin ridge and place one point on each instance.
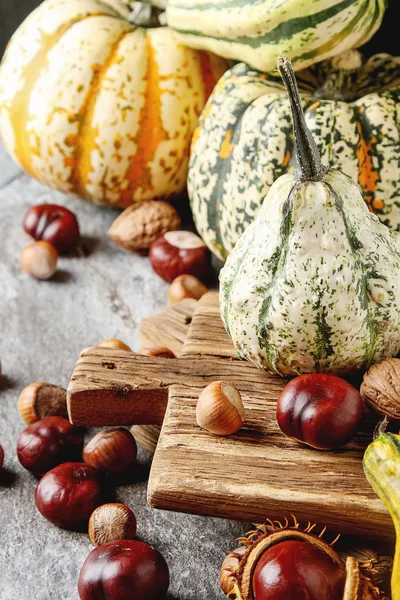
(276, 265)
(283, 31)
(82, 168)
(330, 46)
(362, 287)
(151, 132)
(18, 111)
(223, 168)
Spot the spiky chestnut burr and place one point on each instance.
(244, 573)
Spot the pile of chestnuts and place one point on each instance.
(73, 494)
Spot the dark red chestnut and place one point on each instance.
(48, 443)
(124, 570)
(68, 494)
(295, 570)
(54, 224)
(180, 252)
(321, 410)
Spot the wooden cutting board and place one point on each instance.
(254, 474)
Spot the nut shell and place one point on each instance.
(55, 224)
(115, 344)
(186, 286)
(112, 450)
(220, 409)
(143, 223)
(159, 351)
(111, 522)
(1, 457)
(178, 253)
(381, 388)
(40, 399)
(39, 260)
(68, 494)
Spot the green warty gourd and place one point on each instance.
(313, 284)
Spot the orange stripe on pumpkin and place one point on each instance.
(27, 142)
(207, 73)
(367, 176)
(287, 158)
(226, 146)
(150, 136)
(85, 140)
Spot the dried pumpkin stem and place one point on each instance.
(311, 167)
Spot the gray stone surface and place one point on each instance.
(43, 326)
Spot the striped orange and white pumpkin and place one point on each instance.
(92, 105)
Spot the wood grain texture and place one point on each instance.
(168, 328)
(255, 473)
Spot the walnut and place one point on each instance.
(381, 388)
(143, 223)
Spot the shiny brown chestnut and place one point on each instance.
(295, 569)
(123, 570)
(178, 253)
(1, 457)
(320, 410)
(68, 494)
(54, 224)
(48, 443)
(113, 450)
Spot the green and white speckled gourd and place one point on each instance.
(313, 284)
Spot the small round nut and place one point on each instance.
(111, 522)
(39, 260)
(143, 223)
(1, 457)
(159, 351)
(39, 400)
(220, 408)
(113, 450)
(380, 388)
(186, 286)
(115, 344)
(179, 252)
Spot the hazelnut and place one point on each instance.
(54, 224)
(40, 399)
(115, 344)
(220, 408)
(381, 388)
(68, 494)
(48, 443)
(178, 253)
(111, 522)
(143, 223)
(113, 450)
(39, 260)
(159, 351)
(124, 569)
(186, 286)
(1, 457)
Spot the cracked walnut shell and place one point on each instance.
(381, 388)
(143, 223)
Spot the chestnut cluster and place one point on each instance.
(55, 230)
(72, 494)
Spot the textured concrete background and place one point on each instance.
(43, 326)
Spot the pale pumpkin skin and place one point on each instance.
(94, 106)
(244, 141)
(313, 283)
(256, 32)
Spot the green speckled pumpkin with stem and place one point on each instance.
(313, 283)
